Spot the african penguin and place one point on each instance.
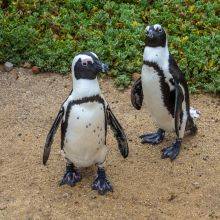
(84, 117)
(164, 90)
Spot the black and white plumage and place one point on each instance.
(163, 88)
(84, 117)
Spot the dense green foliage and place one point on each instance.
(49, 33)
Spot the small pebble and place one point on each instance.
(205, 158)
(172, 197)
(65, 195)
(196, 185)
(35, 69)
(8, 66)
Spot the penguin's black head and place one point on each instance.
(155, 36)
(87, 65)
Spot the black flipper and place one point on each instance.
(118, 132)
(178, 107)
(137, 94)
(179, 78)
(50, 136)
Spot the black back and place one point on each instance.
(178, 76)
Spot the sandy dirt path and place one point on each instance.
(145, 186)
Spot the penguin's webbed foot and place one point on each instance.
(101, 183)
(153, 138)
(71, 177)
(172, 151)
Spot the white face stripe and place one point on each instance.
(147, 28)
(157, 26)
(94, 55)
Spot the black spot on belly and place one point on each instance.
(87, 126)
(94, 130)
(78, 117)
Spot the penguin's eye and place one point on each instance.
(89, 63)
(159, 29)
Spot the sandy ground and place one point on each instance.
(145, 186)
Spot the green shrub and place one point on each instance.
(49, 33)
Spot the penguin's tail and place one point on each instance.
(194, 113)
(191, 127)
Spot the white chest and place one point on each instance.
(153, 98)
(84, 142)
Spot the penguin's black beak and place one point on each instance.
(105, 68)
(101, 67)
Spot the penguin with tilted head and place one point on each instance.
(164, 90)
(84, 117)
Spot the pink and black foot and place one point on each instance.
(101, 183)
(172, 151)
(71, 177)
(153, 138)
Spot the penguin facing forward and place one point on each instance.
(164, 90)
(84, 117)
